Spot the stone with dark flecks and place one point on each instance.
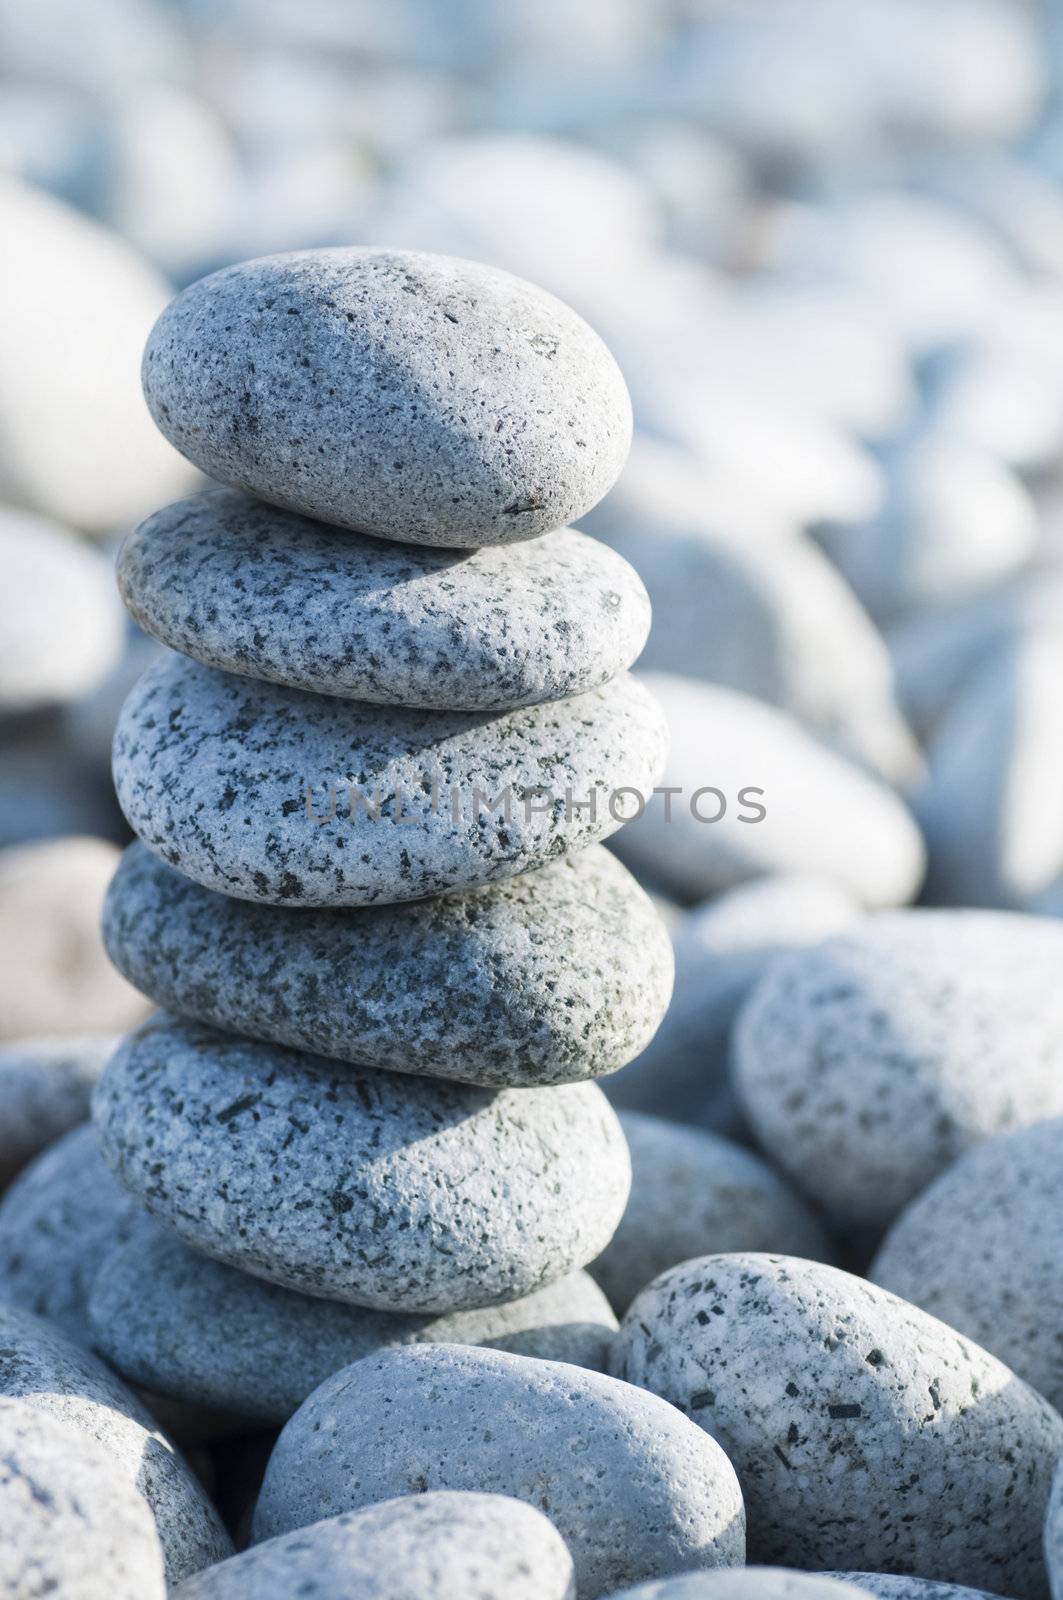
(60, 1219)
(435, 1546)
(980, 1248)
(416, 397)
(863, 1430)
(545, 978)
(45, 1088)
(267, 594)
(1053, 1537)
(404, 1194)
(254, 1349)
(693, 1193)
(633, 1488)
(60, 1382)
(745, 1583)
(286, 797)
(74, 1525)
(868, 1063)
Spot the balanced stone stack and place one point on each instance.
(371, 781)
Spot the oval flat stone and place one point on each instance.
(868, 1063)
(60, 1219)
(412, 396)
(435, 1546)
(73, 1524)
(979, 1248)
(257, 1350)
(548, 977)
(860, 1427)
(692, 1194)
(267, 594)
(634, 1489)
(62, 1383)
(279, 796)
(405, 1194)
(45, 1089)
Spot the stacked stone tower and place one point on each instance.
(370, 777)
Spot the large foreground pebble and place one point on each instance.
(45, 1089)
(745, 1583)
(73, 1523)
(258, 591)
(435, 1546)
(1054, 1537)
(61, 627)
(59, 1221)
(397, 1193)
(59, 1381)
(55, 977)
(862, 1430)
(903, 1586)
(868, 1063)
(693, 1194)
(254, 1349)
(276, 795)
(550, 976)
(412, 396)
(980, 1249)
(721, 949)
(632, 1487)
(757, 795)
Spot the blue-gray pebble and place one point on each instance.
(262, 592)
(246, 787)
(634, 1489)
(415, 397)
(548, 977)
(404, 1194)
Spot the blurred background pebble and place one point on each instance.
(825, 241)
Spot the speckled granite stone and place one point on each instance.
(234, 783)
(632, 1487)
(868, 1063)
(980, 1248)
(59, 1221)
(257, 1350)
(412, 396)
(693, 1193)
(437, 1546)
(548, 977)
(59, 1381)
(903, 1586)
(45, 1088)
(74, 1526)
(1053, 1538)
(745, 1583)
(261, 592)
(861, 1429)
(398, 1193)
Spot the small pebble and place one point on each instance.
(74, 1526)
(867, 1064)
(59, 1221)
(45, 1089)
(59, 1382)
(397, 1193)
(269, 794)
(693, 1194)
(980, 1249)
(56, 978)
(425, 399)
(547, 977)
(632, 1487)
(861, 1428)
(254, 1349)
(266, 594)
(435, 1546)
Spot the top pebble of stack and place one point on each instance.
(415, 397)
